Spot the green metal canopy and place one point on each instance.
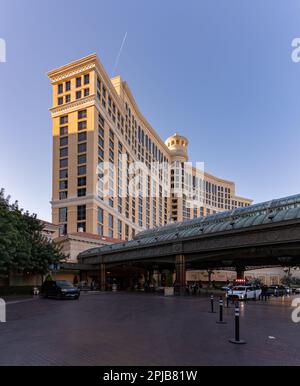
(269, 212)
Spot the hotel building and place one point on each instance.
(96, 120)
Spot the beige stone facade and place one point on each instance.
(268, 276)
(51, 231)
(96, 119)
(74, 243)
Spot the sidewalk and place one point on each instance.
(12, 299)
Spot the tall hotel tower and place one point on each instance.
(96, 120)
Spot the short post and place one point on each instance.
(237, 339)
(212, 304)
(220, 321)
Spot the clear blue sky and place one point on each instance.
(219, 72)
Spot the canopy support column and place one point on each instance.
(180, 281)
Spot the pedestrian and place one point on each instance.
(264, 292)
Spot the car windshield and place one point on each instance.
(64, 284)
(239, 288)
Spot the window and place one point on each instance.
(63, 141)
(68, 86)
(81, 159)
(82, 136)
(63, 163)
(81, 192)
(60, 89)
(63, 152)
(78, 94)
(82, 125)
(82, 114)
(81, 212)
(63, 229)
(100, 153)
(81, 227)
(100, 222)
(82, 148)
(68, 98)
(110, 226)
(86, 92)
(81, 170)
(100, 215)
(63, 130)
(78, 82)
(101, 120)
(63, 195)
(63, 120)
(87, 79)
(60, 101)
(63, 173)
(119, 229)
(100, 229)
(81, 181)
(63, 185)
(63, 214)
(101, 132)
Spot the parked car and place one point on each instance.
(296, 290)
(244, 292)
(61, 289)
(276, 290)
(226, 288)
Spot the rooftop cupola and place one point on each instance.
(178, 147)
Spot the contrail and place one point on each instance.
(119, 54)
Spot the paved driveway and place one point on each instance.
(140, 329)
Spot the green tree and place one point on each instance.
(290, 280)
(169, 279)
(14, 248)
(23, 247)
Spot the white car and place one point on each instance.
(244, 292)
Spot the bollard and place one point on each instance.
(212, 304)
(220, 321)
(237, 339)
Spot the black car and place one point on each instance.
(61, 289)
(276, 290)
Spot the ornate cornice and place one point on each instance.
(73, 106)
(73, 68)
(74, 71)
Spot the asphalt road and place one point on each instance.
(139, 329)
